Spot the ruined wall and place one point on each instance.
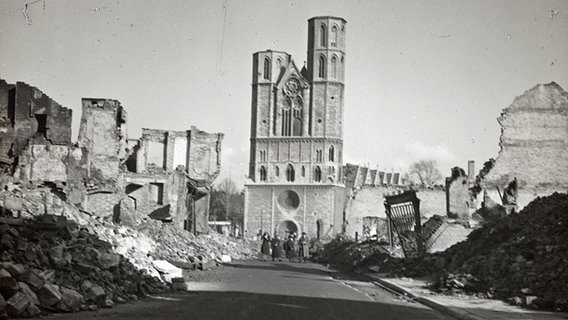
(32, 107)
(534, 140)
(7, 104)
(103, 133)
(369, 202)
(204, 161)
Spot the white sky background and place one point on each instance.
(424, 79)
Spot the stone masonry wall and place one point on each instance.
(534, 140)
(29, 102)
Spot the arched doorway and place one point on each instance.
(286, 227)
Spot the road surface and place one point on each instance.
(260, 290)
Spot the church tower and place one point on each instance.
(295, 170)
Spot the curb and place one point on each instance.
(449, 311)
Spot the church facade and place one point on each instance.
(295, 172)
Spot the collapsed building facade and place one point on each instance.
(101, 173)
(295, 172)
(364, 209)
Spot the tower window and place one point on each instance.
(334, 36)
(331, 154)
(319, 156)
(317, 174)
(262, 173)
(290, 174)
(303, 171)
(277, 172)
(334, 67)
(321, 69)
(263, 156)
(266, 72)
(323, 40)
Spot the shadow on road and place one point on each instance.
(251, 306)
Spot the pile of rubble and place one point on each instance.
(71, 260)
(49, 264)
(522, 258)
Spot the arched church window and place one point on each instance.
(262, 173)
(290, 174)
(317, 174)
(321, 69)
(266, 70)
(334, 36)
(334, 67)
(323, 37)
(319, 156)
(287, 117)
(298, 116)
(331, 154)
(277, 171)
(303, 171)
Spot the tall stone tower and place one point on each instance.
(295, 171)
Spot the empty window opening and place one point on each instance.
(41, 124)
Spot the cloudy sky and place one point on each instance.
(424, 79)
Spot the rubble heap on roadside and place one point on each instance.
(522, 258)
(48, 264)
(90, 262)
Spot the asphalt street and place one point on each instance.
(270, 290)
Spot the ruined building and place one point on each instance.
(296, 148)
(169, 175)
(534, 139)
(364, 206)
(461, 194)
(165, 176)
(534, 146)
(29, 117)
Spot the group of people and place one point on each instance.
(274, 247)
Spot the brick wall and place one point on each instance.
(29, 102)
(534, 139)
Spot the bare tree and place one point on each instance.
(222, 195)
(424, 172)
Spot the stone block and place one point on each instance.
(15, 269)
(18, 303)
(49, 295)
(110, 260)
(33, 279)
(3, 308)
(8, 286)
(71, 300)
(29, 292)
(96, 293)
(4, 273)
(33, 310)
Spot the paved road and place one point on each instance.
(266, 290)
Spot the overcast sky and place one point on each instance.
(424, 79)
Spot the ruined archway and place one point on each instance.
(286, 227)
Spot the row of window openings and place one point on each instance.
(319, 155)
(321, 67)
(323, 36)
(291, 173)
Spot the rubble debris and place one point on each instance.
(521, 257)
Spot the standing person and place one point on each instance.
(265, 247)
(290, 248)
(303, 248)
(276, 248)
